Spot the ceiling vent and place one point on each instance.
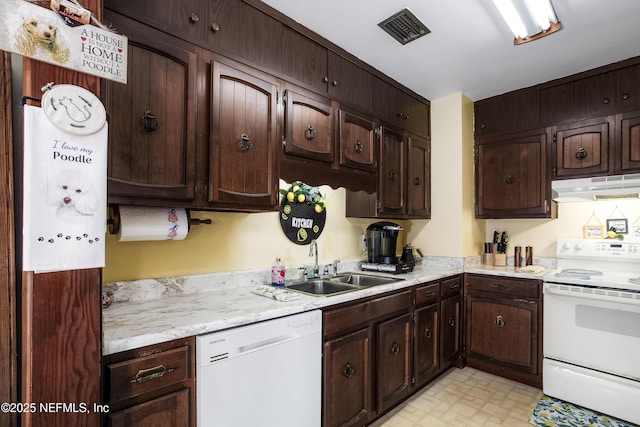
(404, 27)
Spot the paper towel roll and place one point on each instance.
(144, 223)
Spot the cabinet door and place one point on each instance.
(449, 331)
(392, 170)
(419, 177)
(349, 83)
(401, 109)
(582, 148)
(628, 94)
(503, 330)
(152, 118)
(393, 361)
(309, 127)
(304, 60)
(586, 97)
(243, 137)
(511, 112)
(238, 30)
(357, 141)
(512, 180)
(425, 343)
(628, 142)
(347, 380)
(171, 410)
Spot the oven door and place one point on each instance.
(593, 328)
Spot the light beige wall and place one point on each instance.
(453, 229)
(543, 233)
(235, 241)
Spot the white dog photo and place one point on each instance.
(73, 195)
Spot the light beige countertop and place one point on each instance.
(151, 311)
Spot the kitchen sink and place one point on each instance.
(345, 282)
(363, 280)
(322, 287)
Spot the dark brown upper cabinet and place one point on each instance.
(397, 108)
(627, 142)
(512, 176)
(419, 177)
(510, 112)
(244, 137)
(357, 141)
(582, 148)
(308, 127)
(152, 119)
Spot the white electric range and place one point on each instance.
(591, 328)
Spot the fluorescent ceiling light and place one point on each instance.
(528, 19)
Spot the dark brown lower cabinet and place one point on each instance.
(393, 361)
(504, 327)
(169, 410)
(347, 378)
(151, 386)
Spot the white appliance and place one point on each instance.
(596, 188)
(591, 338)
(263, 374)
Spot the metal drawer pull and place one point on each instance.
(393, 175)
(428, 294)
(395, 349)
(427, 333)
(215, 27)
(245, 142)
(310, 132)
(581, 154)
(151, 373)
(348, 370)
(194, 17)
(149, 121)
(452, 321)
(500, 322)
(510, 179)
(498, 286)
(359, 147)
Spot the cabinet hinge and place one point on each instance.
(555, 171)
(284, 97)
(378, 131)
(284, 142)
(555, 137)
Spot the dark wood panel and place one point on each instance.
(583, 148)
(450, 331)
(419, 177)
(628, 140)
(8, 345)
(510, 112)
(309, 127)
(304, 60)
(349, 82)
(393, 361)
(170, 410)
(425, 342)
(392, 182)
(357, 141)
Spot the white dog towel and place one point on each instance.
(65, 194)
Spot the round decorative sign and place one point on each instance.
(74, 109)
(302, 213)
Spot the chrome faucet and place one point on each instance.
(313, 250)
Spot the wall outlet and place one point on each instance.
(363, 242)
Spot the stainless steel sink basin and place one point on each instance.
(322, 287)
(346, 282)
(363, 280)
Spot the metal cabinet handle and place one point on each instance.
(393, 175)
(194, 18)
(510, 179)
(428, 293)
(404, 116)
(581, 154)
(605, 100)
(417, 180)
(500, 322)
(452, 321)
(498, 286)
(427, 333)
(151, 373)
(149, 121)
(310, 132)
(348, 370)
(358, 147)
(625, 96)
(395, 349)
(215, 27)
(245, 142)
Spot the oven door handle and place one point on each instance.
(592, 293)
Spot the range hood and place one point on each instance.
(596, 188)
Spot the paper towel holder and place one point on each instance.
(113, 219)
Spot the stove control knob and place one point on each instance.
(578, 246)
(566, 246)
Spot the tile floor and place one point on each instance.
(466, 397)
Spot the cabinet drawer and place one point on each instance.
(355, 316)
(137, 376)
(428, 293)
(523, 288)
(450, 286)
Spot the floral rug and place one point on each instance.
(552, 412)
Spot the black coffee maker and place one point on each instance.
(381, 242)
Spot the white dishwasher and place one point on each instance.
(263, 374)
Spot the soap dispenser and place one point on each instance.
(277, 273)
